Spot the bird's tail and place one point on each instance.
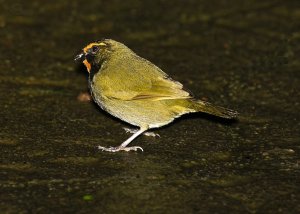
(206, 107)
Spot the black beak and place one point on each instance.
(80, 57)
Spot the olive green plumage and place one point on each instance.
(136, 91)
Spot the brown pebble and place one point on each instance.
(84, 97)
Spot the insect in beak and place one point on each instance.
(84, 57)
(80, 57)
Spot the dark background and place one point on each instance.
(239, 54)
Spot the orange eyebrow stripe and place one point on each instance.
(91, 45)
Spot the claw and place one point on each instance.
(119, 148)
(151, 134)
(123, 146)
(134, 148)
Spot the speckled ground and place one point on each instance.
(239, 54)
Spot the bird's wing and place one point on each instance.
(162, 89)
(145, 81)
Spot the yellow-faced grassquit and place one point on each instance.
(136, 91)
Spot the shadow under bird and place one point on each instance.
(136, 91)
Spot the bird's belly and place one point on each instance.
(138, 112)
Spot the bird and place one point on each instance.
(136, 91)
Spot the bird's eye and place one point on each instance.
(95, 48)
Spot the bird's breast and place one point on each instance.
(97, 91)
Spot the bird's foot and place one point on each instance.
(120, 148)
(133, 131)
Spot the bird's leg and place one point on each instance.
(123, 147)
(149, 134)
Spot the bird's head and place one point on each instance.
(95, 53)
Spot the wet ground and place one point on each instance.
(240, 54)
